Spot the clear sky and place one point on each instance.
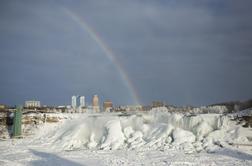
(182, 52)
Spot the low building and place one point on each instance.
(156, 104)
(2, 106)
(134, 108)
(119, 109)
(146, 108)
(32, 104)
(107, 106)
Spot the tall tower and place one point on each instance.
(74, 101)
(96, 103)
(82, 101)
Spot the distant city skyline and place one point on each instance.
(180, 52)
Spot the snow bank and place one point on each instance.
(153, 130)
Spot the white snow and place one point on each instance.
(247, 112)
(152, 138)
(182, 136)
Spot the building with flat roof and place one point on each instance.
(74, 102)
(82, 101)
(156, 104)
(32, 104)
(2, 106)
(107, 106)
(95, 102)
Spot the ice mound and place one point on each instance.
(182, 136)
(202, 129)
(114, 138)
(152, 130)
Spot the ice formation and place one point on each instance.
(152, 130)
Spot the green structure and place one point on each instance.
(17, 122)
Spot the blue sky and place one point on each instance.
(182, 52)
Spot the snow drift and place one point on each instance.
(152, 130)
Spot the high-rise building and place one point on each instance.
(82, 101)
(95, 102)
(74, 101)
(107, 105)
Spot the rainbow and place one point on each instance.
(108, 53)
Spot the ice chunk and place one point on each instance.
(181, 136)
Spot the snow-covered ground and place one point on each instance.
(153, 138)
